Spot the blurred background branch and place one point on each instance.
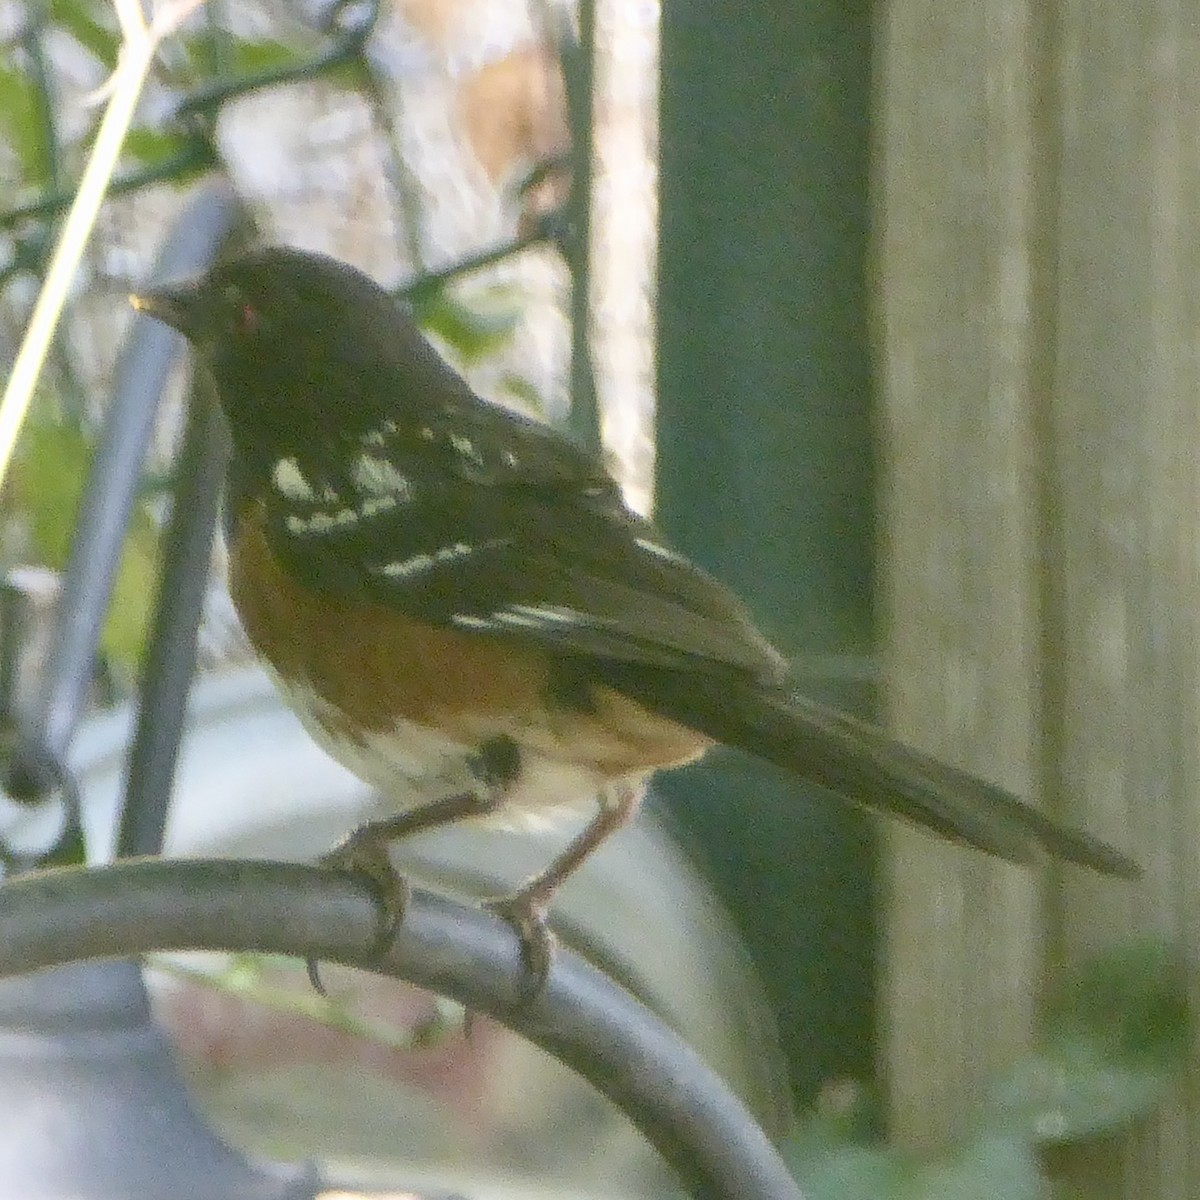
(140, 40)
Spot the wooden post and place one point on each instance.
(959, 599)
(1037, 177)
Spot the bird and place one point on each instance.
(461, 608)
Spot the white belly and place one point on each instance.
(411, 765)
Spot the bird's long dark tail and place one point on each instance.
(862, 764)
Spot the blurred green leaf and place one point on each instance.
(21, 124)
(831, 1157)
(1116, 1036)
(261, 56)
(1132, 1001)
(78, 18)
(522, 391)
(848, 1172)
(152, 147)
(831, 1164)
(1075, 1091)
(473, 329)
(246, 57)
(997, 1166)
(346, 75)
(45, 487)
(134, 593)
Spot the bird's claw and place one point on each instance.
(365, 857)
(527, 917)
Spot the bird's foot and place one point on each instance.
(364, 856)
(525, 912)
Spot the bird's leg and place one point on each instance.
(364, 853)
(525, 910)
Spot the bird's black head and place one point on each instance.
(306, 351)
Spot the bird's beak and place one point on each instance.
(174, 306)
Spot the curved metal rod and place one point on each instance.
(151, 350)
(170, 656)
(582, 1018)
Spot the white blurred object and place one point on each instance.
(252, 783)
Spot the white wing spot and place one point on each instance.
(405, 567)
(378, 436)
(469, 622)
(652, 547)
(376, 505)
(527, 614)
(408, 566)
(289, 480)
(322, 522)
(378, 477)
(509, 617)
(465, 447)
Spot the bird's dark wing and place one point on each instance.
(542, 550)
(486, 522)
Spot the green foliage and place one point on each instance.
(19, 123)
(91, 25)
(997, 1165)
(472, 328)
(518, 388)
(475, 322)
(1074, 1091)
(45, 488)
(994, 1165)
(1114, 1040)
(245, 57)
(1132, 1003)
(94, 27)
(830, 1155)
(153, 147)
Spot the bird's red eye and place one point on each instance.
(246, 319)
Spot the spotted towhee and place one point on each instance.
(461, 608)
